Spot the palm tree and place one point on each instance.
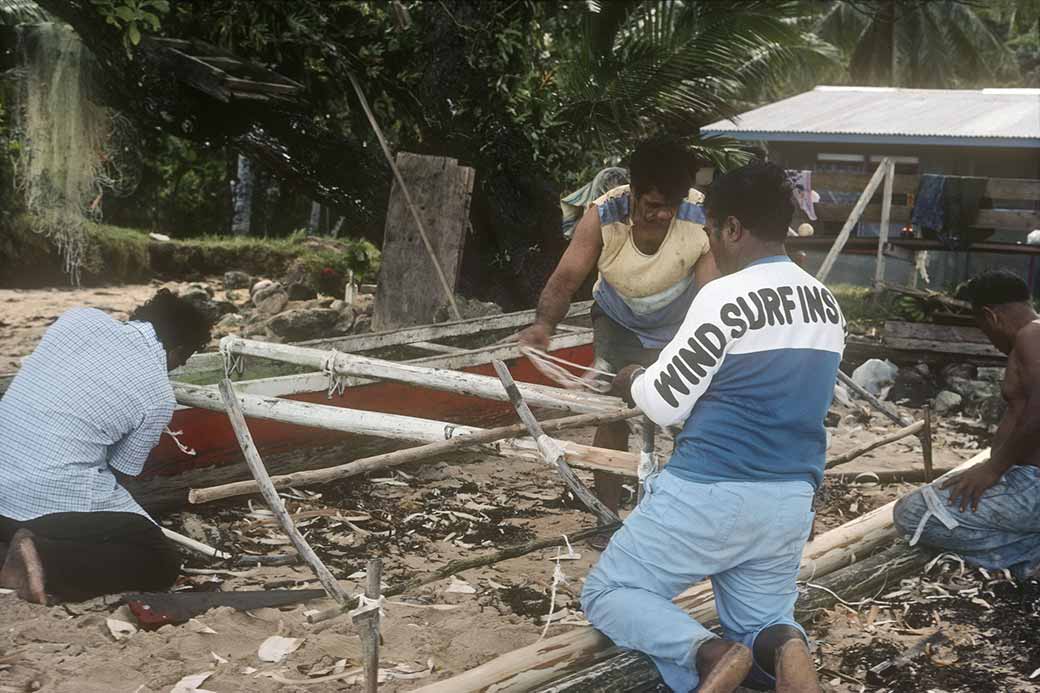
(674, 65)
(915, 43)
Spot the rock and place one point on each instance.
(198, 297)
(237, 280)
(841, 395)
(299, 291)
(270, 299)
(991, 374)
(468, 308)
(973, 390)
(231, 323)
(225, 307)
(338, 305)
(911, 387)
(204, 288)
(303, 324)
(992, 409)
(231, 295)
(875, 376)
(923, 369)
(260, 286)
(345, 323)
(363, 325)
(832, 419)
(946, 402)
(964, 371)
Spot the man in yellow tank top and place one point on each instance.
(648, 243)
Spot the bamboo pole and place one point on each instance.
(850, 223)
(274, 501)
(551, 452)
(847, 457)
(399, 457)
(448, 291)
(343, 364)
(546, 660)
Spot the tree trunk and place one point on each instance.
(242, 197)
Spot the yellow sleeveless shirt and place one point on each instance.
(648, 282)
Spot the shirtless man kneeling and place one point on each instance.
(1003, 528)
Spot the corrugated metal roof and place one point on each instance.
(884, 115)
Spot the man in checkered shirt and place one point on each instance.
(91, 400)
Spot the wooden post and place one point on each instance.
(926, 444)
(886, 213)
(367, 622)
(403, 187)
(398, 457)
(197, 546)
(551, 451)
(857, 212)
(274, 501)
(546, 660)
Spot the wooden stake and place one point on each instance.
(448, 292)
(886, 212)
(197, 546)
(399, 457)
(367, 623)
(850, 223)
(877, 404)
(274, 501)
(550, 450)
(874, 444)
(546, 660)
(926, 444)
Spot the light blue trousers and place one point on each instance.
(1003, 533)
(747, 537)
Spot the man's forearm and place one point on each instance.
(554, 302)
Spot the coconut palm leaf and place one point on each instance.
(677, 65)
(14, 12)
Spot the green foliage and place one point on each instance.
(133, 17)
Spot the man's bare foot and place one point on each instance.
(795, 669)
(722, 665)
(23, 571)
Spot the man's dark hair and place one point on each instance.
(994, 288)
(758, 194)
(177, 322)
(661, 164)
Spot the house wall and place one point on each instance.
(945, 269)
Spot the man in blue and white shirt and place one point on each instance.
(749, 377)
(91, 400)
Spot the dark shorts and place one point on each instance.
(617, 346)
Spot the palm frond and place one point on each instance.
(13, 12)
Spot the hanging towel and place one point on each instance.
(804, 197)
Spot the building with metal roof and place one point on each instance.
(891, 116)
(840, 134)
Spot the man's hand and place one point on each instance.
(536, 336)
(969, 486)
(622, 385)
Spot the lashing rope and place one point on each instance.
(233, 363)
(552, 367)
(176, 439)
(337, 383)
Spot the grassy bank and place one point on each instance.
(116, 255)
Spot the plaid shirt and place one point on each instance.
(94, 396)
